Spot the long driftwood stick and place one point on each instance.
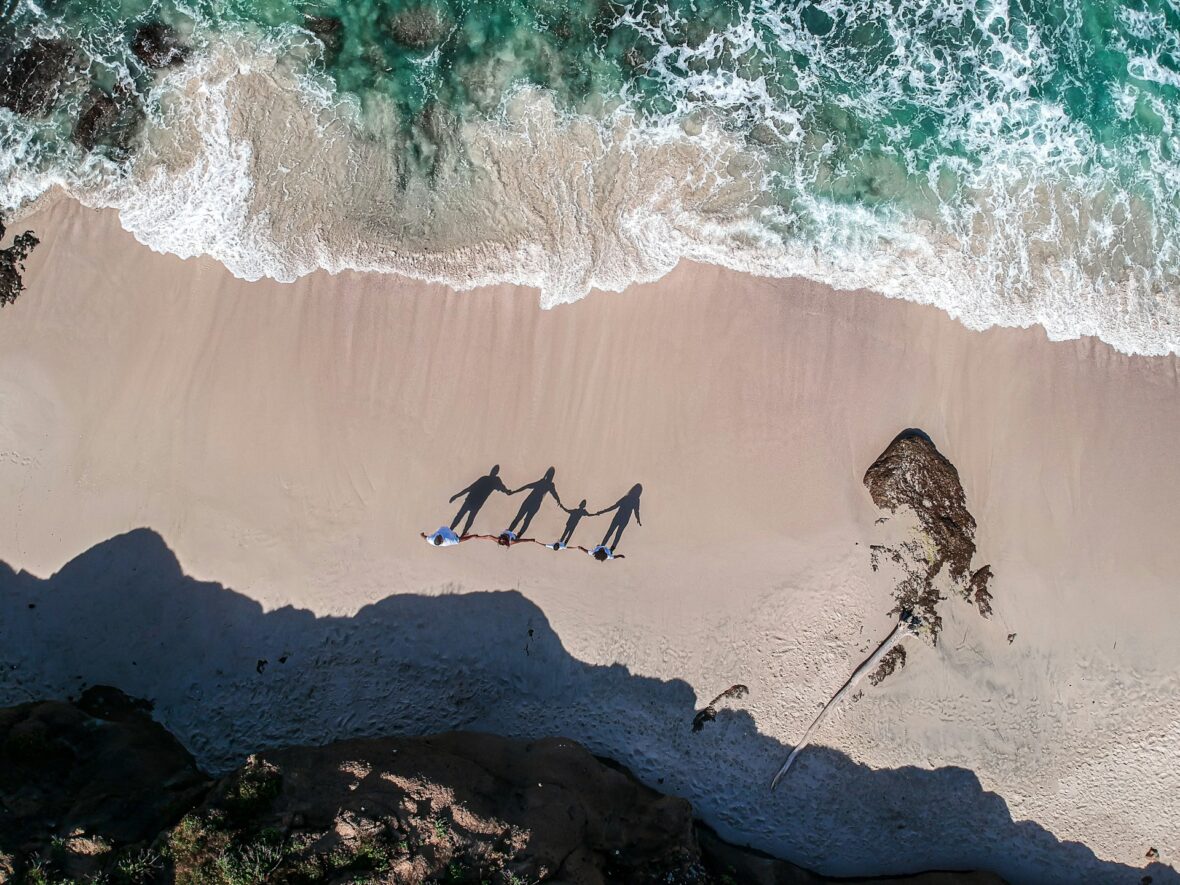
(907, 626)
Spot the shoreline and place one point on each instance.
(458, 275)
(288, 442)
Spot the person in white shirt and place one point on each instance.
(444, 537)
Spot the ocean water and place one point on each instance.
(1011, 162)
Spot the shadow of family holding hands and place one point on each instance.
(476, 495)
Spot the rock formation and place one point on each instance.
(96, 789)
(912, 476)
(158, 46)
(419, 27)
(108, 119)
(82, 783)
(33, 78)
(12, 265)
(329, 31)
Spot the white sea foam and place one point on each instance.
(249, 157)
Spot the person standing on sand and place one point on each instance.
(477, 495)
(532, 503)
(626, 506)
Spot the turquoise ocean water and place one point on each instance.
(1011, 162)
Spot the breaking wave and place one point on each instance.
(1010, 164)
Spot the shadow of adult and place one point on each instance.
(229, 677)
(626, 507)
(538, 491)
(477, 495)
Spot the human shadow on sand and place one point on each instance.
(538, 490)
(624, 508)
(475, 496)
(229, 678)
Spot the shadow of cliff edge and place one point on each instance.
(228, 679)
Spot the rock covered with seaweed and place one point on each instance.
(911, 476)
(12, 264)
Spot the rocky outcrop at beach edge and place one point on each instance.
(95, 787)
(81, 781)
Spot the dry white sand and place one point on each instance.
(290, 441)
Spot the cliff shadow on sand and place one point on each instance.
(229, 678)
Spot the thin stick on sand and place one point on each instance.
(907, 626)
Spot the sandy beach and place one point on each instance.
(213, 492)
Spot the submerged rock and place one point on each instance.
(158, 45)
(109, 120)
(33, 79)
(421, 27)
(99, 114)
(329, 31)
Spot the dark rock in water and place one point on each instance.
(32, 79)
(83, 786)
(421, 27)
(764, 134)
(109, 120)
(329, 31)
(99, 115)
(158, 45)
(12, 266)
(911, 474)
